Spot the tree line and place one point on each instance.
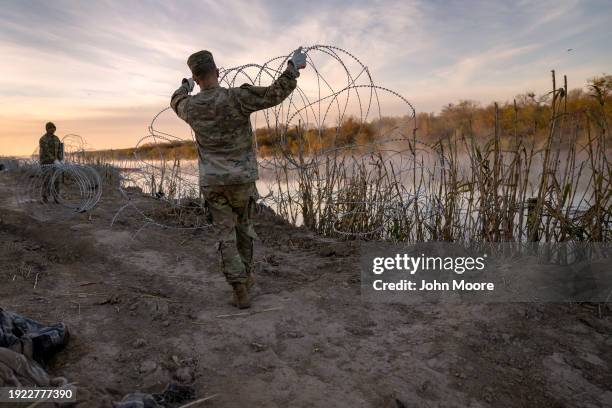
(527, 115)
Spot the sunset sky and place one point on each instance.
(102, 69)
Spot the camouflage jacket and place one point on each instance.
(50, 149)
(220, 119)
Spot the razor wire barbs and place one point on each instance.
(338, 87)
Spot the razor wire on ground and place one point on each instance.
(63, 189)
(55, 192)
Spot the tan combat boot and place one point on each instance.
(241, 296)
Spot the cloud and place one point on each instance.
(88, 62)
(469, 68)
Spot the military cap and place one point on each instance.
(201, 62)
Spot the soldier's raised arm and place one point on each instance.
(252, 98)
(180, 98)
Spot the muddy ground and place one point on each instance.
(147, 309)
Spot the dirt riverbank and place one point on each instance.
(148, 309)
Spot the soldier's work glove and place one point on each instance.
(188, 83)
(297, 61)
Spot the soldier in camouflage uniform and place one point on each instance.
(50, 152)
(228, 164)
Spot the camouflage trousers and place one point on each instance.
(232, 208)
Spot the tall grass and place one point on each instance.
(509, 186)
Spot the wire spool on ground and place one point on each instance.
(55, 192)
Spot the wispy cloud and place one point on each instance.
(470, 69)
